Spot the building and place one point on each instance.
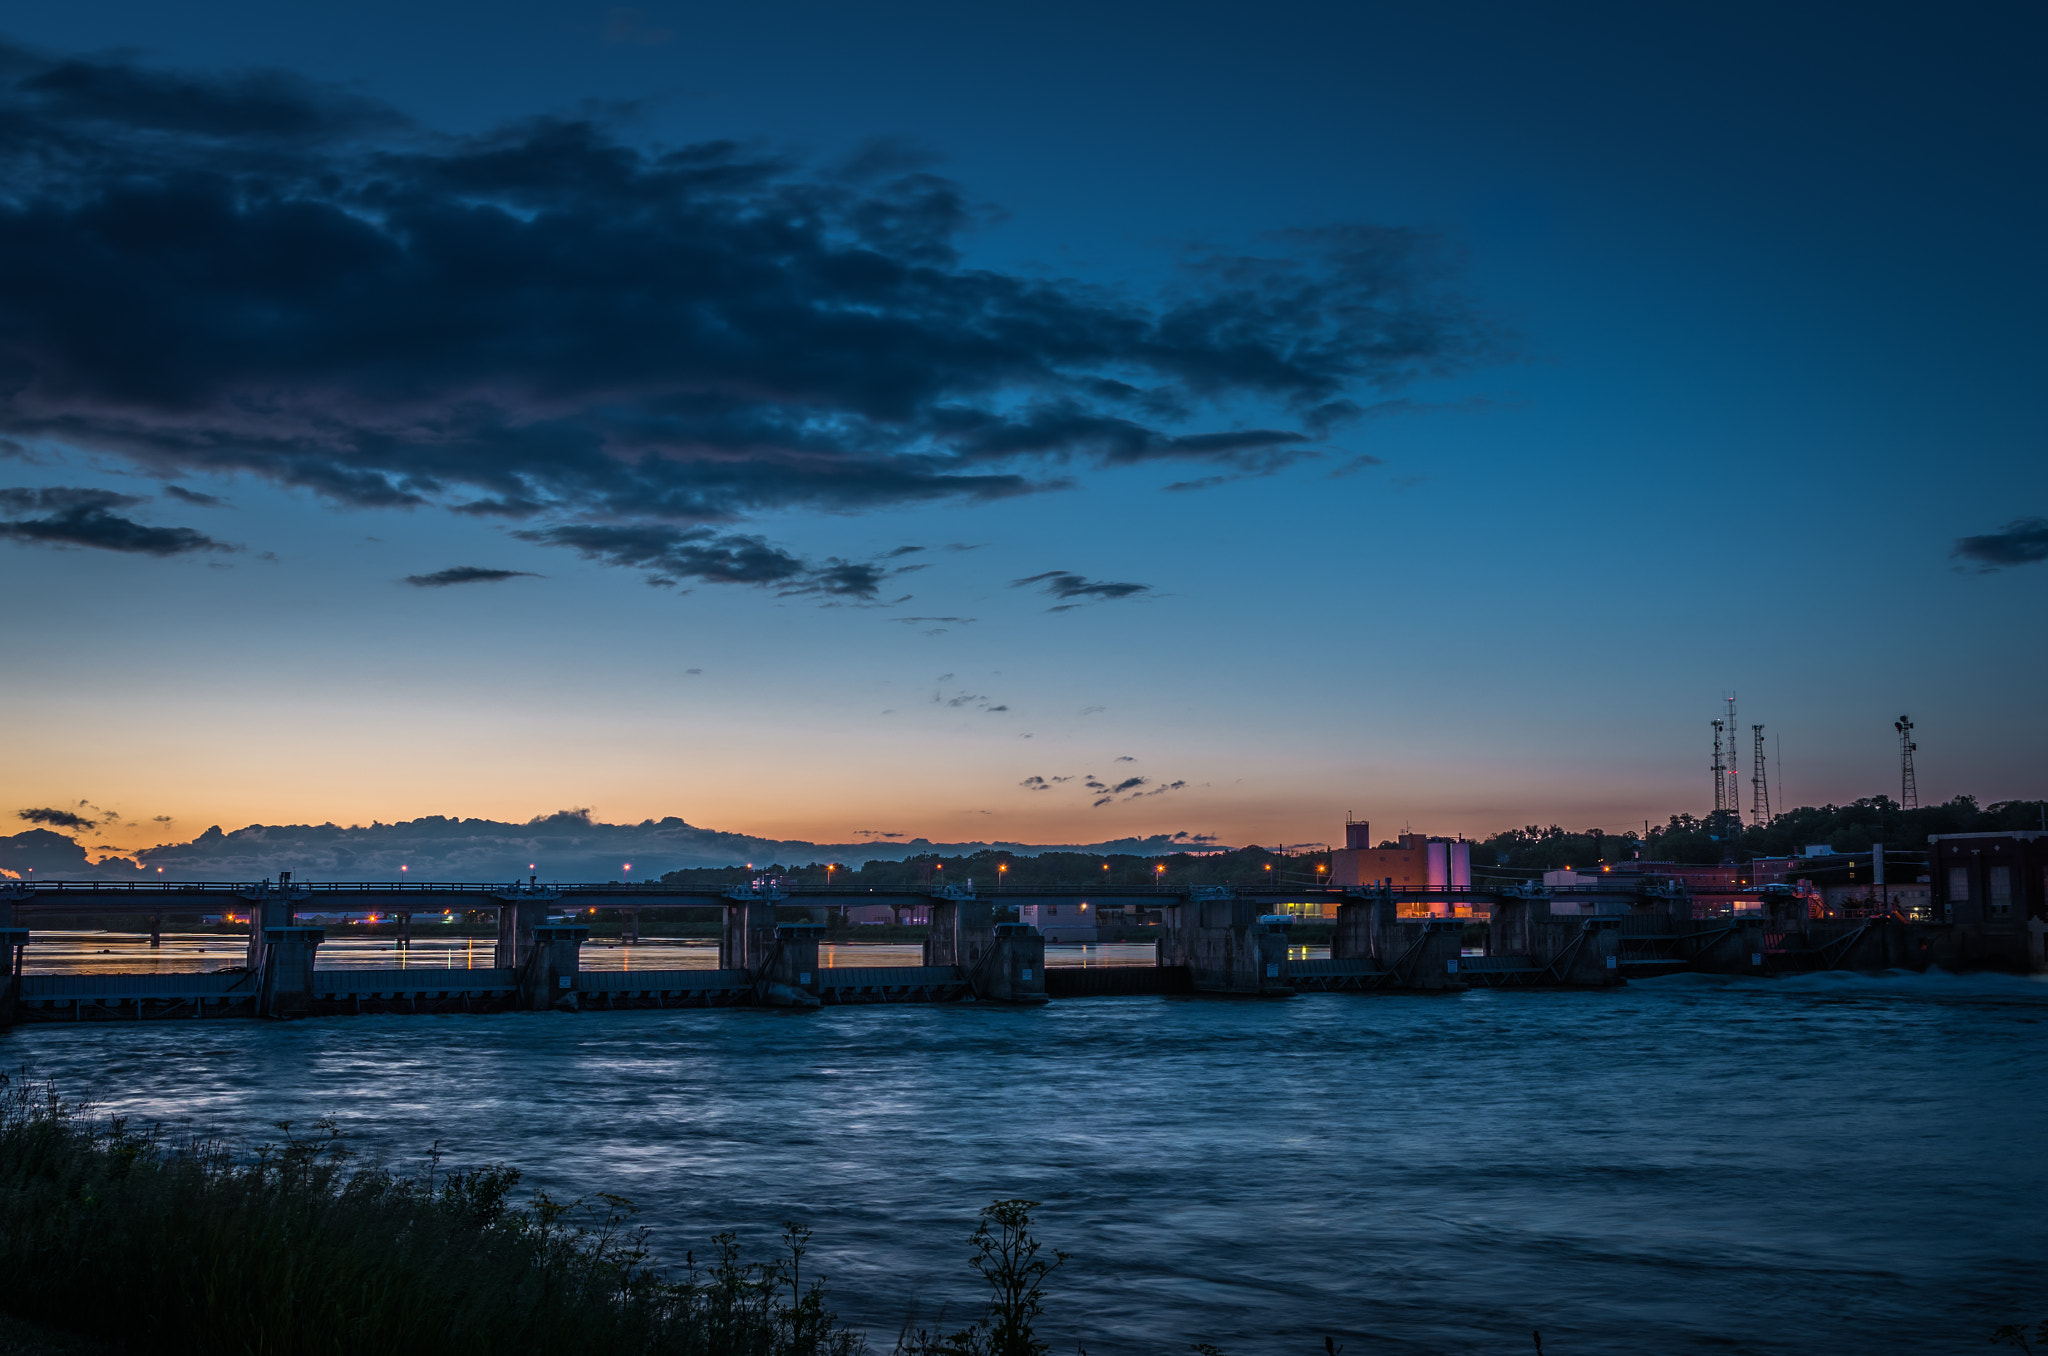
(1062, 922)
(1999, 880)
(1415, 862)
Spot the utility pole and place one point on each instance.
(1759, 786)
(1909, 792)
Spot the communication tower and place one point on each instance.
(1759, 788)
(1720, 767)
(1909, 793)
(1733, 798)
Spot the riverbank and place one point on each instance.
(123, 1235)
(118, 1239)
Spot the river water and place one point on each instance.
(1830, 1164)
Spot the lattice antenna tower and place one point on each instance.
(1734, 769)
(1759, 787)
(1909, 791)
(1720, 766)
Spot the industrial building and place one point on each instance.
(1414, 862)
(1990, 878)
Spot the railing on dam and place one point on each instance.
(406, 983)
(655, 982)
(70, 988)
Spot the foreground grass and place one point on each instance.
(292, 1250)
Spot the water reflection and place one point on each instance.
(56, 952)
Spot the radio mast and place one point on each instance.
(1720, 782)
(1909, 793)
(1759, 787)
(1733, 800)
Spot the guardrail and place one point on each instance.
(240, 983)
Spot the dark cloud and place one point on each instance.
(465, 574)
(1035, 784)
(1127, 784)
(76, 516)
(2020, 542)
(668, 554)
(253, 273)
(1061, 584)
(1126, 758)
(60, 819)
(193, 497)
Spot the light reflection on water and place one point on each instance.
(82, 953)
(1825, 1166)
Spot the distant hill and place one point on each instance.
(566, 846)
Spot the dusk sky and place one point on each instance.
(823, 421)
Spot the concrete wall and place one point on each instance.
(1228, 946)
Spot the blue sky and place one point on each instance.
(1759, 291)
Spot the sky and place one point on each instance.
(1049, 424)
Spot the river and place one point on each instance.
(1830, 1164)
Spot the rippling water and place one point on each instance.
(1832, 1164)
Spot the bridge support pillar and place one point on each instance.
(1359, 925)
(517, 920)
(288, 969)
(629, 926)
(547, 976)
(962, 934)
(1422, 954)
(12, 940)
(789, 978)
(1595, 961)
(1015, 972)
(405, 932)
(270, 906)
(748, 938)
(1228, 945)
(156, 930)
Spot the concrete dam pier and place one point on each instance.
(1210, 941)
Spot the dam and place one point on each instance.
(1210, 940)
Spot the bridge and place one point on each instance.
(1213, 939)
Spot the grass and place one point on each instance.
(126, 1238)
